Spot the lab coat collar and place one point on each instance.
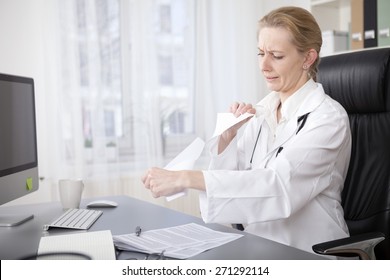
(312, 100)
(301, 102)
(294, 102)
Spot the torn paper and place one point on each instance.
(186, 161)
(227, 120)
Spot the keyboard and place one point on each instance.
(75, 219)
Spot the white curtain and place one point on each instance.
(130, 83)
(226, 58)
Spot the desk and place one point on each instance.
(20, 241)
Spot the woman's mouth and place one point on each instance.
(270, 78)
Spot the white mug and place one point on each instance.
(70, 192)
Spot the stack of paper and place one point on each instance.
(179, 242)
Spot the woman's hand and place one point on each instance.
(238, 109)
(241, 108)
(227, 136)
(162, 182)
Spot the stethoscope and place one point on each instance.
(301, 123)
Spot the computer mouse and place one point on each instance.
(102, 203)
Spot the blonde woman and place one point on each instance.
(282, 179)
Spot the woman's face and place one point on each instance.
(280, 61)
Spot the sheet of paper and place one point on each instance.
(179, 242)
(227, 120)
(96, 244)
(186, 161)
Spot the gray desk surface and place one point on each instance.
(20, 241)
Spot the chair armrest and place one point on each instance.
(361, 245)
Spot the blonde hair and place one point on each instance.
(306, 34)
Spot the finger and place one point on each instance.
(146, 180)
(147, 175)
(155, 195)
(240, 109)
(233, 107)
(252, 111)
(248, 108)
(154, 190)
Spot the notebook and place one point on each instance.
(97, 245)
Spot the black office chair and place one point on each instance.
(360, 81)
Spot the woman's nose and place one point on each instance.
(264, 63)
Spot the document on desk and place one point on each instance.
(180, 242)
(98, 245)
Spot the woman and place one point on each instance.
(283, 178)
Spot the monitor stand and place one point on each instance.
(14, 220)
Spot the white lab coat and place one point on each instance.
(293, 197)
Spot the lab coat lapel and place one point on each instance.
(287, 133)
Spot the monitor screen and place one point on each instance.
(18, 141)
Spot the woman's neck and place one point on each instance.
(279, 112)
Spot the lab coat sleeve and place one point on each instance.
(312, 162)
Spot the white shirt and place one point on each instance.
(291, 190)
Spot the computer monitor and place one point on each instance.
(18, 143)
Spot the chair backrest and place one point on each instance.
(360, 81)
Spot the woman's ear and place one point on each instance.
(310, 57)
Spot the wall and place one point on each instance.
(22, 52)
(21, 32)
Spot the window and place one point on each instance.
(125, 77)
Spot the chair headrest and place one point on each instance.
(359, 80)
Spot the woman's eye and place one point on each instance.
(260, 54)
(278, 57)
